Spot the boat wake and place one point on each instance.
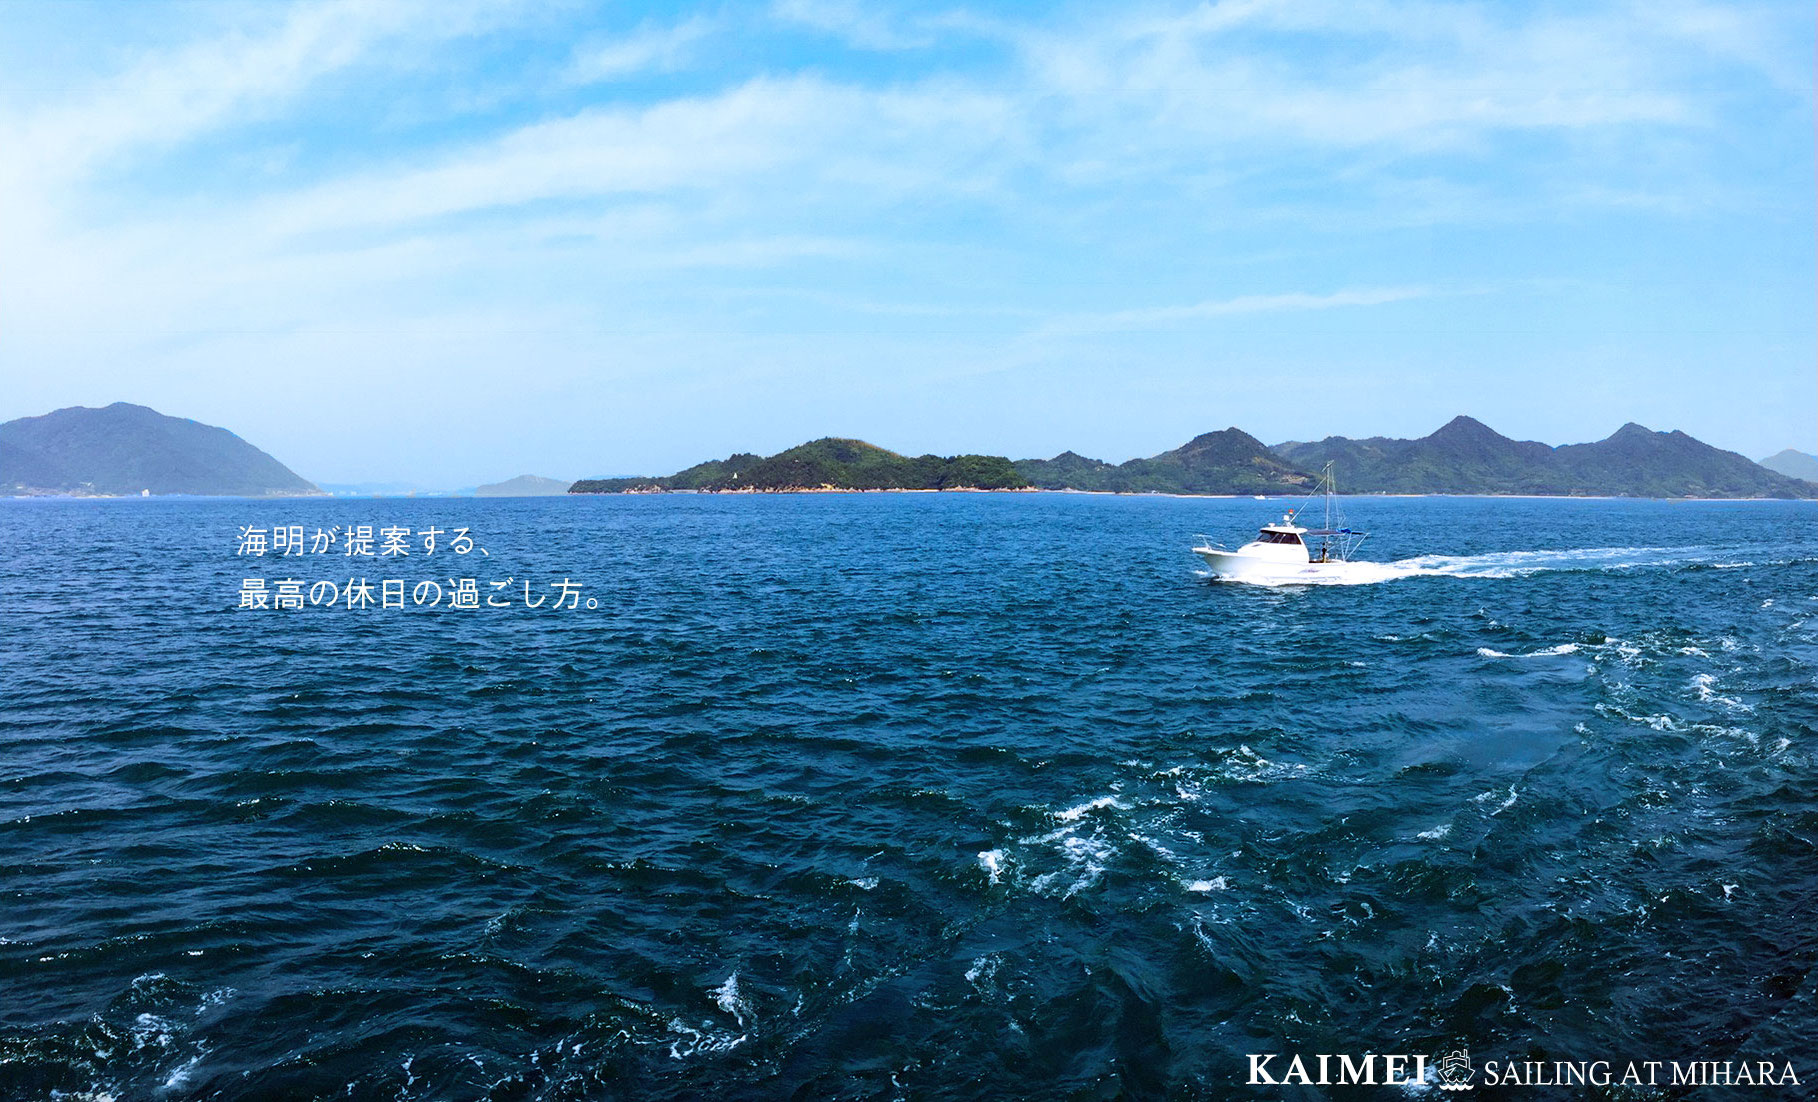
(1505, 564)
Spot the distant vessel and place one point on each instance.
(1286, 551)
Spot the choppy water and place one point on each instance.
(917, 796)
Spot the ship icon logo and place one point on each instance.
(1456, 1072)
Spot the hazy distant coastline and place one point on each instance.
(125, 450)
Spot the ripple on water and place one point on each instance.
(902, 795)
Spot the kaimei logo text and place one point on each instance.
(1337, 1070)
(1455, 1073)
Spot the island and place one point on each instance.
(128, 450)
(831, 463)
(1793, 464)
(524, 485)
(1463, 457)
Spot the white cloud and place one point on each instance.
(736, 202)
(1155, 316)
(865, 26)
(768, 144)
(1411, 76)
(169, 97)
(648, 49)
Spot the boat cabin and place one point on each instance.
(1279, 542)
(1286, 541)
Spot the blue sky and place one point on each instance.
(451, 241)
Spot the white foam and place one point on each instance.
(150, 1030)
(1653, 722)
(1088, 857)
(727, 996)
(983, 969)
(992, 861)
(1216, 884)
(1546, 652)
(1704, 684)
(1439, 831)
(1485, 797)
(180, 1074)
(1072, 814)
(1245, 764)
(691, 1041)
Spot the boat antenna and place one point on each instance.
(1331, 492)
(1322, 485)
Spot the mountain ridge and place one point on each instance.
(1229, 461)
(829, 463)
(1466, 456)
(124, 449)
(1463, 457)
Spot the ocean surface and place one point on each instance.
(879, 796)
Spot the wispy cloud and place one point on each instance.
(1113, 321)
(866, 26)
(650, 48)
(888, 174)
(1416, 76)
(168, 97)
(766, 144)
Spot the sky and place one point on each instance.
(450, 241)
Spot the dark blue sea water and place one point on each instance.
(921, 796)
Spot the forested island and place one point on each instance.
(1463, 457)
(827, 464)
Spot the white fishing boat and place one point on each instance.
(1287, 552)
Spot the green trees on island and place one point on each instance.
(1463, 457)
(1227, 462)
(1468, 457)
(830, 463)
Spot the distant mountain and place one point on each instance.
(1793, 464)
(126, 449)
(1468, 457)
(525, 485)
(1465, 456)
(389, 489)
(830, 463)
(1227, 462)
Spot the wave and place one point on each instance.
(1546, 652)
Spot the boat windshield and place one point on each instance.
(1277, 537)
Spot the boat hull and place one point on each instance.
(1262, 570)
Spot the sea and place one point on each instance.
(938, 796)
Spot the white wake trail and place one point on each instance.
(1507, 564)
